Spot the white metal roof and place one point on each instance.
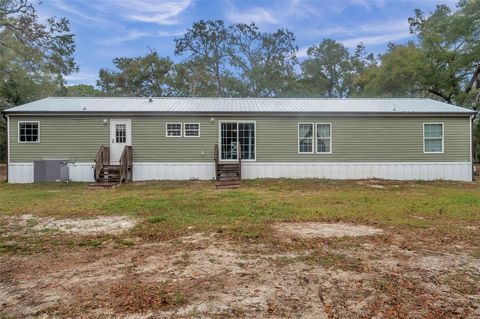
(235, 105)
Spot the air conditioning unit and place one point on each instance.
(50, 171)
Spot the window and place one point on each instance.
(192, 129)
(324, 138)
(433, 137)
(174, 129)
(120, 133)
(29, 132)
(305, 137)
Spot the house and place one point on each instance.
(202, 138)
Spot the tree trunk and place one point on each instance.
(475, 77)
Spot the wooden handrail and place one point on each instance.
(125, 163)
(102, 158)
(215, 158)
(239, 152)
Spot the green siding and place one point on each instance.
(355, 139)
(364, 139)
(150, 143)
(72, 138)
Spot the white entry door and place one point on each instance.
(120, 136)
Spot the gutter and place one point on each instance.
(176, 113)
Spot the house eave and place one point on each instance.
(244, 114)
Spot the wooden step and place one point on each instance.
(228, 166)
(111, 167)
(237, 182)
(228, 178)
(102, 185)
(227, 173)
(229, 184)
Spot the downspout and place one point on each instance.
(7, 119)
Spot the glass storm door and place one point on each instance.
(228, 141)
(237, 138)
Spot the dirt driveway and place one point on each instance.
(296, 275)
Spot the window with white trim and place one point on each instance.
(324, 137)
(28, 132)
(192, 129)
(433, 137)
(174, 129)
(305, 138)
(120, 133)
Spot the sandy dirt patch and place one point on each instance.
(76, 226)
(315, 230)
(209, 276)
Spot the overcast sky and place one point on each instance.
(106, 29)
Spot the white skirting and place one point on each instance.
(83, 172)
(23, 172)
(173, 171)
(459, 171)
(20, 173)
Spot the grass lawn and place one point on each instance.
(417, 217)
(172, 207)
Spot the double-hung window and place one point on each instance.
(192, 130)
(433, 137)
(29, 132)
(324, 137)
(174, 129)
(305, 138)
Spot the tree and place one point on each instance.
(149, 75)
(329, 69)
(265, 61)
(206, 45)
(81, 90)
(34, 56)
(191, 78)
(43, 47)
(451, 45)
(399, 73)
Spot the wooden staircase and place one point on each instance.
(228, 174)
(108, 175)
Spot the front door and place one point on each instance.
(237, 138)
(120, 136)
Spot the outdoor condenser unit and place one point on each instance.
(50, 171)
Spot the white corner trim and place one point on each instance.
(471, 140)
(8, 140)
